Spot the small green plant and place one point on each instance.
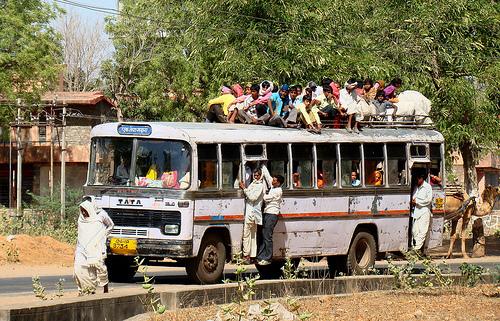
(294, 306)
(152, 301)
(472, 273)
(292, 271)
(12, 253)
(245, 291)
(497, 233)
(403, 278)
(38, 288)
(60, 288)
(433, 275)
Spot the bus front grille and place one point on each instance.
(143, 218)
(129, 232)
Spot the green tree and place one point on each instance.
(187, 49)
(30, 53)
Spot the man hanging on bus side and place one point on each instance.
(421, 213)
(254, 195)
(272, 207)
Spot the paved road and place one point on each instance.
(177, 275)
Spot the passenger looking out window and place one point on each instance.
(355, 182)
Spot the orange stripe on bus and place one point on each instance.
(292, 215)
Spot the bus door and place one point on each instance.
(420, 162)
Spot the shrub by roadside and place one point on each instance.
(42, 217)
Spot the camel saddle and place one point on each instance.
(455, 191)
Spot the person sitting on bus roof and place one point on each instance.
(254, 195)
(383, 106)
(308, 115)
(293, 96)
(242, 109)
(278, 106)
(390, 91)
(218, 107)
(349, 102)
(272, 208)
(355, 182)
(327, 108)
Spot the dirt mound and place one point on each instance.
(35, 250)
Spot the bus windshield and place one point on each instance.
(155, 163)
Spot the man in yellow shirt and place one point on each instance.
(218, 107)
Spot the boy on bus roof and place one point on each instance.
(308, 115)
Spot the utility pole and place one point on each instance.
(63, 164)
(52, 140)
(19, 180)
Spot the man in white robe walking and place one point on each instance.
(421, 213)
(94, 225)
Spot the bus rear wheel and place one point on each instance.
(120, 268)
(208, 266)
(361, 255)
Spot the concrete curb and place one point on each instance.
(120, 307)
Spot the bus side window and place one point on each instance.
(435, 170)
(207, 166)
(350, 156)
(327, 165)
(374, 164)
(396, 164)
(230, 165)
(302, 155)
(277, 155)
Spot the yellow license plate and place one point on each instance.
(123, 246)
(439, 203)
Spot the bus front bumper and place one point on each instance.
(157, 248)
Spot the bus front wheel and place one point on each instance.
(120, 268)
(208, 266)
(361, 255)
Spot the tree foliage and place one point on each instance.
(448, 50)
(30, 52)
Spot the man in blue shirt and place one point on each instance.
(276, 104)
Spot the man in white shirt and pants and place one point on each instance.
(421, 214)
(272, 207)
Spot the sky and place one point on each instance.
(86, 14)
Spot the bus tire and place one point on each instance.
(337, 265)
(208, 266)
(120, 268)
(361, 255)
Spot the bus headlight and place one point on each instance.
(171, 229)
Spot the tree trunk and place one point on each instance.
(470, 174)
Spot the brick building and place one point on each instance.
(84, 110)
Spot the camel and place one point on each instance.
(460, 209)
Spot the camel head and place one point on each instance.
(488, 198)
(490, 194)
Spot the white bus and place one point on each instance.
(172, 191)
